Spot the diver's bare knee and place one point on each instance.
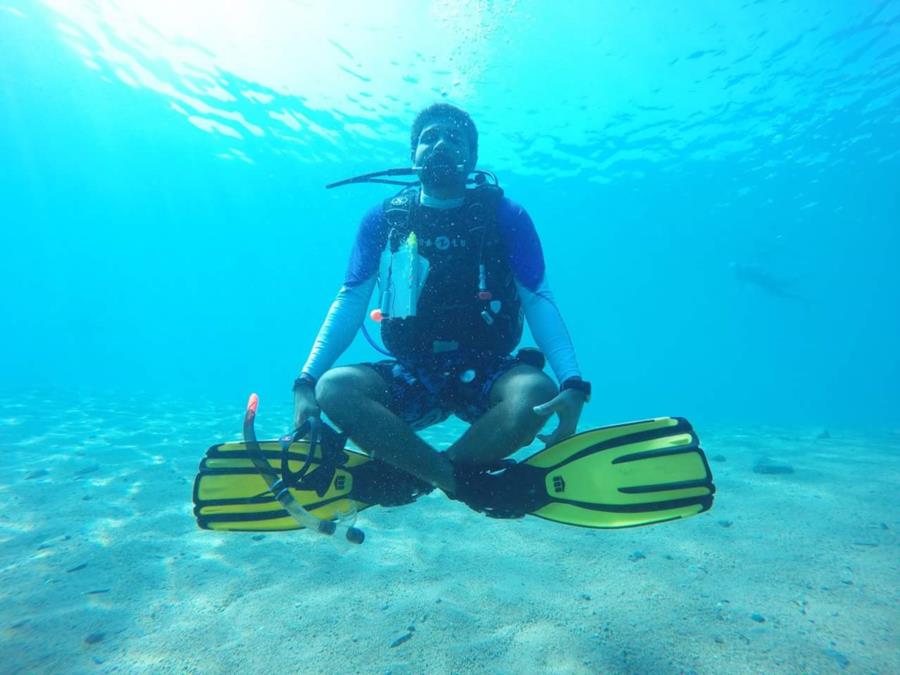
(339, 390)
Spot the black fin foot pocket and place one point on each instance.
(503, 490)
(380, 483)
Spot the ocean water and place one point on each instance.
(715, 186)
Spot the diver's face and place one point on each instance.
(443, 156)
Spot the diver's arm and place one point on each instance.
(549, 329)
(345, 316)
(526, 258)
(550, 333)
(348, 310)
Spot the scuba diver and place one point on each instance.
(457, 266)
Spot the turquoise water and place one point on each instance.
(164, 171)
(715, 187)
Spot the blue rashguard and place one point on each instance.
(525, 258)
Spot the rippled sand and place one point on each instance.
(103, 568)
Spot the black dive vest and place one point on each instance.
(450, 314)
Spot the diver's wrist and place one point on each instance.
(579, 385)
(305, 381)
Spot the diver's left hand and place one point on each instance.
(567, 404)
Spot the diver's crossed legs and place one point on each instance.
(510, 423)
(358, 400)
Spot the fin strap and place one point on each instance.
(330, 445)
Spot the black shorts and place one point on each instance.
(453, 384)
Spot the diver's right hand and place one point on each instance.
(305, 405)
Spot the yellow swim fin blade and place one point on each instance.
(625, 475)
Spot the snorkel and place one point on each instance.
(279, 485)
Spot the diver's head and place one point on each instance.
(444, 147)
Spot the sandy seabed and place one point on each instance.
(104, 570)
